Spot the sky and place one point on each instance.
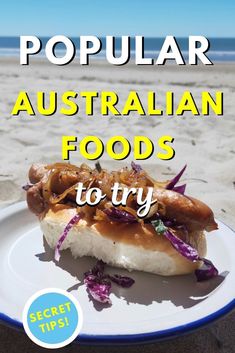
(151, 18)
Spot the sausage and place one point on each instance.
(35, 199)
(37, 172)
(186, 210)
(64, 180)
(194, 214)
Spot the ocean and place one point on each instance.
(221, 49)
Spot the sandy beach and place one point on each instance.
(206, 144)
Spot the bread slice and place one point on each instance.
(129, 246)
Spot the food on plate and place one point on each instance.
(170, 240)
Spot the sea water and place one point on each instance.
(221, 49)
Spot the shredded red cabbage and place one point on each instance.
(99, 289)
(98, 269)
(99, 284)
(63, 236)
(207, 271)
(180, 189)
(136, 167)
(27, 186)
(184, 249)
(171, 185)
(117, 215)
(122, 281)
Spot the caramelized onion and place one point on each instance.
(56, 199)
(47, 189)
(63, 179)
(63, 166)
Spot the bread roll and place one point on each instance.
(131, 246)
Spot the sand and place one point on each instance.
(206, 144)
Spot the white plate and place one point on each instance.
(154, 307)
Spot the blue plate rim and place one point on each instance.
(131, 339)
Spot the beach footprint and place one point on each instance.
(10, 192)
